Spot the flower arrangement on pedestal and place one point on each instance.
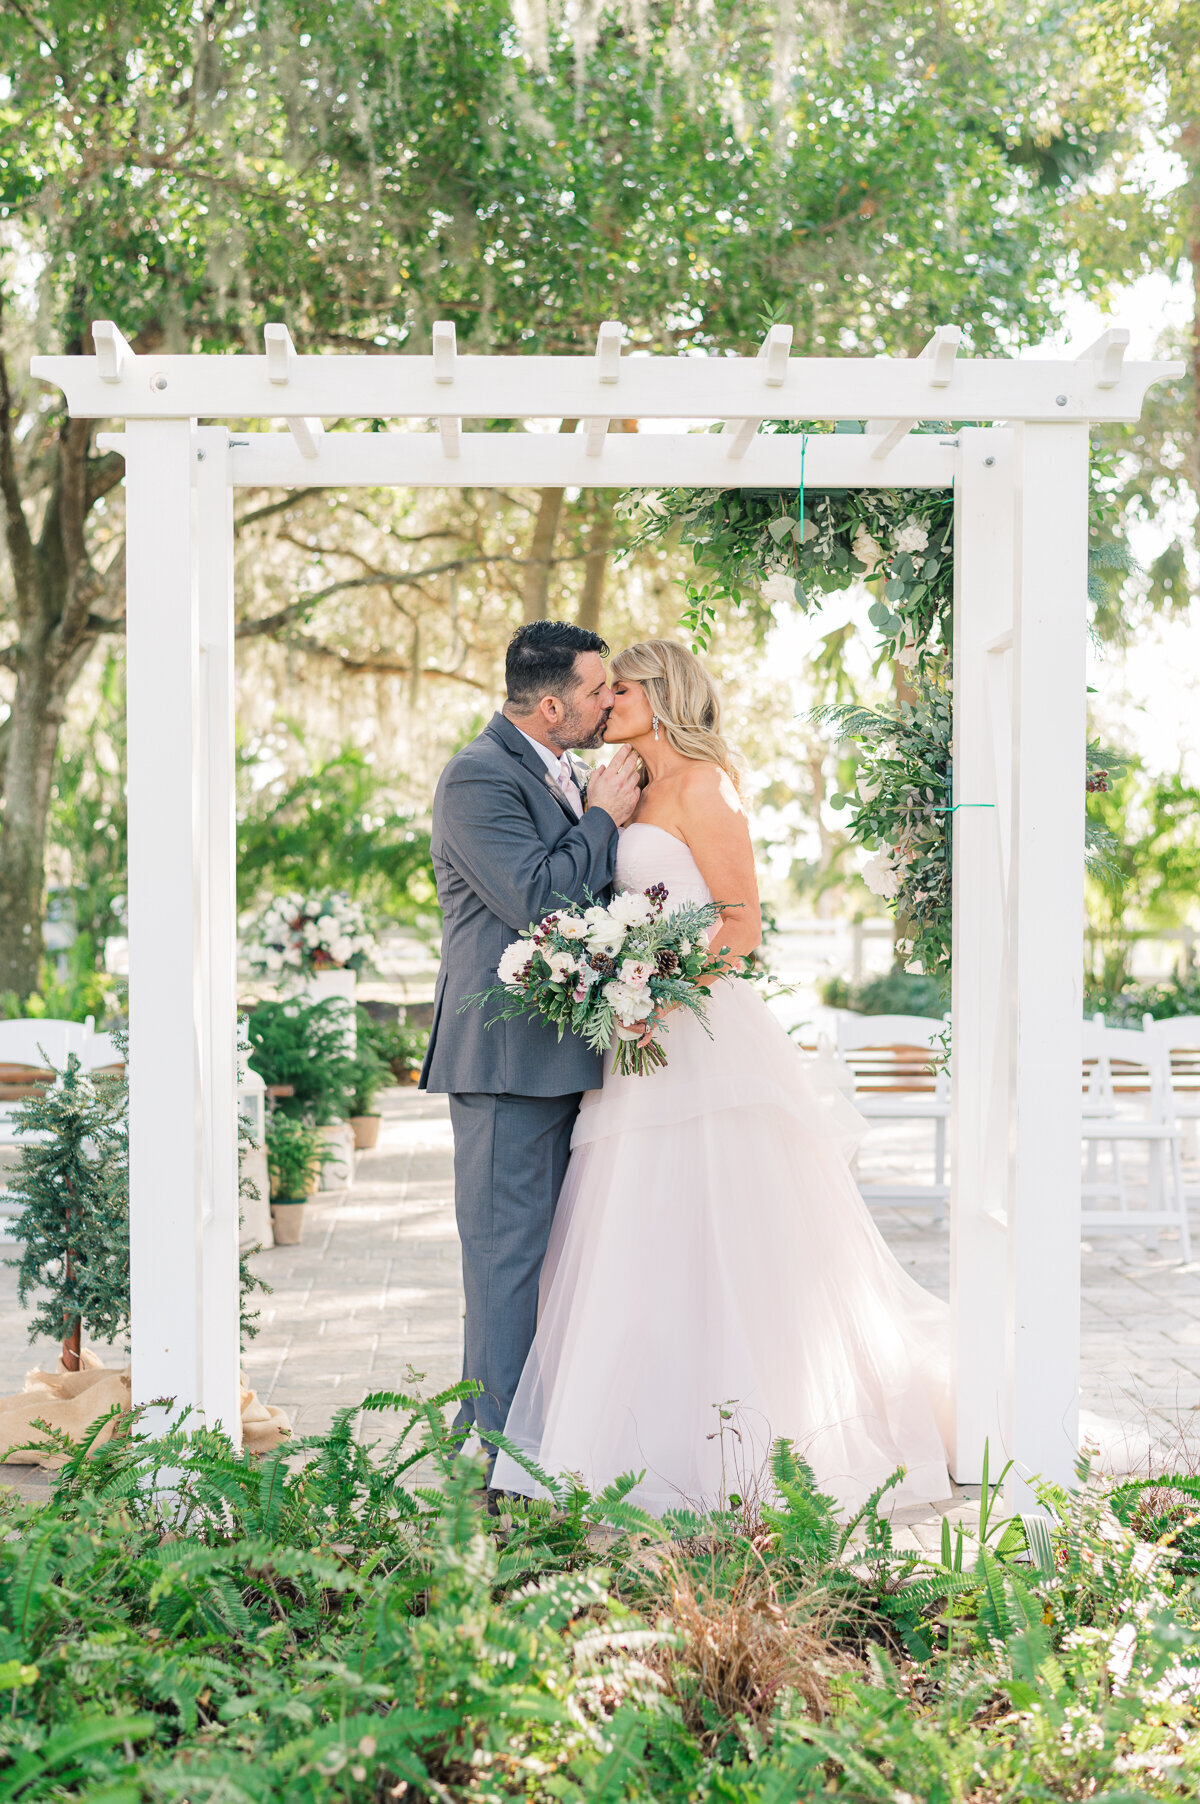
(298, 935)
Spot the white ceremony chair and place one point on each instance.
(1181, 1037)
(1128, 1100)
(27, 1047)
(899, 1071)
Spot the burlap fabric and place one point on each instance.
(72, 1401)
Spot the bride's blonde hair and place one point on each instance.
(683, 695)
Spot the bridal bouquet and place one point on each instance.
(600, 970)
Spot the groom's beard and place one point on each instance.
(571, 736)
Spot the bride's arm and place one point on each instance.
(714, 825)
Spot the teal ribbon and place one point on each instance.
(803, 449)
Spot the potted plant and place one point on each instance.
(314, 945)
(296, 1151)
(302, 1047)
(371, 1075)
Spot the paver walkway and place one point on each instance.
(372, 1296)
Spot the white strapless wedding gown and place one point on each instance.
(714, 1280)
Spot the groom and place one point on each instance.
(513, 837)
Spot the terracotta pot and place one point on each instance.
(366, 1131)
(287, 1222)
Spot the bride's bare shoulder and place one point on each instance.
(704, 788)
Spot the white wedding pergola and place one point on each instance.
(1021, 532)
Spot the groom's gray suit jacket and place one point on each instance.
(507, 848)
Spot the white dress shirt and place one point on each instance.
(561, 774)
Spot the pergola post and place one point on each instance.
(220, 1395)
(1045, 909)
(984, 501)
(182, 1121)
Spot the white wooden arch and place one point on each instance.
(1021, 533)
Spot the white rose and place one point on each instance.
(869, 789)
(628, 1005)
(573, 927)
(561, 966)
(779, 588)
(341, 950)
(907, 656)
(685, 948)
(867, 550)
(273, 959)
(636, 972)
(631, 908)
(514, 962)
(912, 536)
(311, 933)
(881, 877)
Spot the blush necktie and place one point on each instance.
(569, 787)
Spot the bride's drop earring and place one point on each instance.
(654, 724)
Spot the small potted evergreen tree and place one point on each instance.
(296, 1151)
(71, 1187)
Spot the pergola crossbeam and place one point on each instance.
(774, 351)
(241, 386)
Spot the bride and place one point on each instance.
(713, 1279)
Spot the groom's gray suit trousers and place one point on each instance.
(510, 1158)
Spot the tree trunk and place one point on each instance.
(55, 588)
(595, 567)
(541, 549)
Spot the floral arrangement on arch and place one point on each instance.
(296, 935)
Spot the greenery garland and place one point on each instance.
(756, 547)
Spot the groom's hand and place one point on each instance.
(615, 786)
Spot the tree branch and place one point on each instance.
(272, 507)
(374, 665)
(103, 474)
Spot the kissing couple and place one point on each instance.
(664, 1273)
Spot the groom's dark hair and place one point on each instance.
(541, 661)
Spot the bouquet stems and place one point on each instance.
(632, 1060)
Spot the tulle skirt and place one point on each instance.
(714, 1281)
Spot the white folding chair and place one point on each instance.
(900, 1075)
(1181, 1037)
(1128, 1100)
(30, 1046)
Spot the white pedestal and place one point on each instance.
(320, 985)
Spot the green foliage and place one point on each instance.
(756, 547)
(81, 991)
(341, 1622)
(304, 1045)
(897, 992)
(71, 1186)
(296, 1151)
(400, 1047)
(837, 178)
(87, 822)
(902, 807)
(1153, 876)
(336, 826)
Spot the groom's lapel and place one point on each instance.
(515, 741)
